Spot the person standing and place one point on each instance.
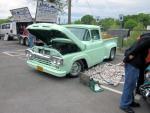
(133, 61)
(31, 40)
(142, 69)
(30, 37)
(142, 72)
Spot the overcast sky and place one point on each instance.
(101, 8)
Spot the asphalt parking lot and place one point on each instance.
(24, 90)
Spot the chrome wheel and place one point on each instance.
(75, 69)
(112, 54)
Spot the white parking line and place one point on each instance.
(8, 45)
(111, 89)
(7, 53)
(20, 50)
(137, 97)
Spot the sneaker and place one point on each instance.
(134, 104)
(127, 110)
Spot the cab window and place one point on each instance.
(7, 26)
(95, 34)
(3, 27)
(87, 36)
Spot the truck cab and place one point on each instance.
(8, 30)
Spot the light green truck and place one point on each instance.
(68, 49)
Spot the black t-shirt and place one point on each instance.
(139, 50)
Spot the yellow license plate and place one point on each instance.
(39, 68)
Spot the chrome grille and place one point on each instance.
(43, 61)
(45, 52)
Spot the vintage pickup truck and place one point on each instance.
(68, 49)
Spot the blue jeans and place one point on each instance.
(131, 77)
(31, 43)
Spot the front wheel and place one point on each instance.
(76, 68)
(112, 54)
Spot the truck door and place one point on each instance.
(97, 49)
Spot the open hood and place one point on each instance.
(46, 32)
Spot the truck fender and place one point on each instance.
(83, 58)
(109, 47)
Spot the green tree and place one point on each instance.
(87, 19)
(130, 24)
(140, 18)
(109, 23)
(139, 27)
(77, 22)
(144, 18)
(115, 25)
(3, 21)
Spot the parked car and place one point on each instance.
(68, 49)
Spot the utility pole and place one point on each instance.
(69, 11)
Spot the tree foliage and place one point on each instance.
(130, 24)
(77, 22)
(140, 18)
(87, 19)
(139, 21)
(5, 20)
(139, 27)
(109, 23)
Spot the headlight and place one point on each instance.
(56, 60)
(29, 55)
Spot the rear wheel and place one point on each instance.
(26, 42)
(6, 37)
(10, 37)
(76, 68)
(112, 54)
(21, 41)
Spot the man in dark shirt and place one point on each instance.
(142, 69)
(134, 60)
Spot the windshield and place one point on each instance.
(81, 33)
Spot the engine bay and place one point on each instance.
(64, 48)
